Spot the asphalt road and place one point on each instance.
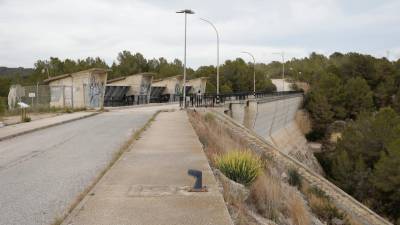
(43, 172)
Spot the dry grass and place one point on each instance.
(297, 209)
(215, 138)
(271, 197)
(266, 195)
(322, 206)
(243, 217)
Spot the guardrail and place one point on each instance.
(212, 100)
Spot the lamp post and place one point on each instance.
(185, 11)
(216, 31)
(283, 68)
(254, 71)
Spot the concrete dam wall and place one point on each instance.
(274, 119)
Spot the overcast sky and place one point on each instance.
(37, 29)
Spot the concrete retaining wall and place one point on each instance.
(274, 119)
(266, 116)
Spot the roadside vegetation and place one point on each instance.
(240, 166)
(269, 198)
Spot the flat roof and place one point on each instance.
(146, 74)
(116, 79)
(168, 78)
(58, 77)
(198, 78)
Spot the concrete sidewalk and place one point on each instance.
(23, 128)
(148, 184)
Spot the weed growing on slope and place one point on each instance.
(240, 166)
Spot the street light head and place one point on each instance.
(187, 11)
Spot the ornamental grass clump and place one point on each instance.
(240, 166)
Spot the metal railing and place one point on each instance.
(213, 100)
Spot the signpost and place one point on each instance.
(32, 95)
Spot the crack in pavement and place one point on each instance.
(34, 154)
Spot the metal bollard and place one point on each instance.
(198, 185)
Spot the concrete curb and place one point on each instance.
(47, 126)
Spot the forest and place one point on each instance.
(359, 90)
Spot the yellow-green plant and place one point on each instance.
(240, 166)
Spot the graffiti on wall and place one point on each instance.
(95, 91)
(145, 86)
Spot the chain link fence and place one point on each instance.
(40, 98)
(36, 96)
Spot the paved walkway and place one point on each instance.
(22, 128)
(148, 184)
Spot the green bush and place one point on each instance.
(294, 178)
(27, 119)
(240, 166)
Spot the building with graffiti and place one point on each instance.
(167, 89)
(129, 90)
(83, 89)
(196, 86)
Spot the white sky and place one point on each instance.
(37, 29)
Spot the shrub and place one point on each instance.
(322, 206)
(209, 117)
(294, 178)
(27, 119)
(241, 166)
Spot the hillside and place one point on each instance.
(6, 71)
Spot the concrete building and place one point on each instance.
(83, 89)
(167, 89)
(197, 85)
(138, 88)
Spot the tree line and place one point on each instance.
(363, 91)
(235, 75)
